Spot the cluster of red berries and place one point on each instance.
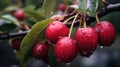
(66, 49)
(84, 42)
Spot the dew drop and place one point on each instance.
(59, 36)
(74, 41)
(68, 63)
(14, 51)
(101, 47)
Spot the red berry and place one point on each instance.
(106, 33)
(40, 51)
(65, 50)
(19, 14)
(56, 17)
(86, 39)
(62, 7)
(56, 30)
(15, 43)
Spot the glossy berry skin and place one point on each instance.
(19, 14)
(40, 51)
(62, 7)
(15, 43)
(106, 33)
(65, 50)
(86, 39)
(56, 30)
(56, 17)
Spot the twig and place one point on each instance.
(11, 35)
(108, 9)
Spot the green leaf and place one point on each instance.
(37, 33)
(11, 8)
(48, 7)
(91, 7)
(52, 59)
(34, 15)
(11, 18)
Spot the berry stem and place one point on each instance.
(72, 25)
(97, 20)
(68, 19)
(105, 1)
(85, 23)
(80, 22)
(74, 11)
(85, 6)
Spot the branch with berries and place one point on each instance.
(108, 9)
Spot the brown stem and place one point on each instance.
(109, 8)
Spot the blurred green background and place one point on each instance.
(102, 57)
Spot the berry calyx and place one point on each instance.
(15, 43)
(19, 14)
(86, 39)
(106, 33)
(56, 30)
(40, 51)
(65, 50)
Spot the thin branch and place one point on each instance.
(11, 35)
(108, 9)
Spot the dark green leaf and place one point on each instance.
(11, 18)
(48, 7)
(34, 15)
(37, 33)
(52, 59)
(91, 7)
(7, 26)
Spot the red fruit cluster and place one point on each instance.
(85, 40)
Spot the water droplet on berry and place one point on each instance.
(74, 41)
(68, 63)
(60, 36)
